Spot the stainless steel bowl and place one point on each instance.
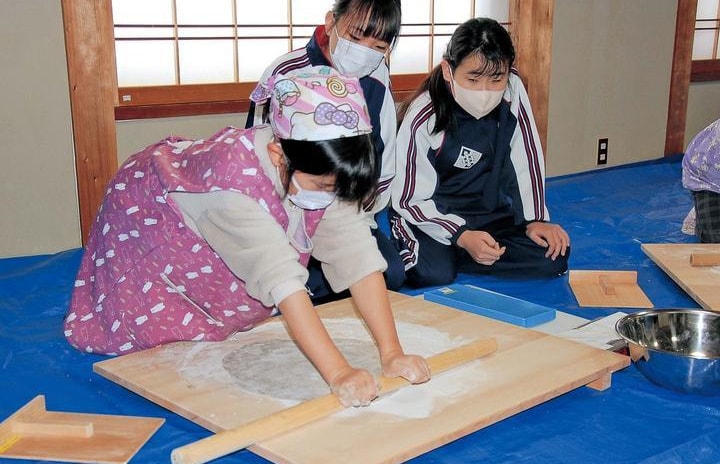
(677, 349)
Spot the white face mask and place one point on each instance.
(310, 199)
(478, 103)
(354, 60)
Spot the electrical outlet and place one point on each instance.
(602, 151)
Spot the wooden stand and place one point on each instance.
(613, 289)
(34, 433)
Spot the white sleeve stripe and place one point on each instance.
(529, 152)
(533, 159)
(300, 62)
(409, 253)
(409, 186)
(384, 184)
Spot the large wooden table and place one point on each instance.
(700, 282)
(528, 368)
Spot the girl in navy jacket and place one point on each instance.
(468, 193)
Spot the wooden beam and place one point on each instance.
(680, 77)
(90, 53)
(705, 70)
(532, 26)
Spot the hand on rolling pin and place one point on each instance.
(281, 422)
(354, 387)
(411, 367)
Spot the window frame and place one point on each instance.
(93, 90)
(204, 99)
(162, 101)
(706, 70)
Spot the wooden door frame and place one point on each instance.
(532, 35)
(680, 77)
(90, 50)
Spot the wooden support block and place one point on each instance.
(602, 383)
(700, 259)
(55, 428)
(606, 284)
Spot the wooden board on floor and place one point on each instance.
(612, 289)
(529, 368)
(700, 282)
(35, 433)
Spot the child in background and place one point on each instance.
(355, 40)
(197, 240)
(468, 193)
(701, 175)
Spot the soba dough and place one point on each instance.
(279, 369)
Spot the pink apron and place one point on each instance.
(145, 278)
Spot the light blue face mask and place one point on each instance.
(310, 199)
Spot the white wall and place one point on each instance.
(703, 107)
(133, 136)
(610, 77)
(38, 197)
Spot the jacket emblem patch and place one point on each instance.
(467, 158)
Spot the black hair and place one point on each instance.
(383, 17)
(483, 37)
(351, 159)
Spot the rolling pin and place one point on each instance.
(701, 259)
(232, 440)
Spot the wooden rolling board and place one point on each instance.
(529, 368)
(700, 282)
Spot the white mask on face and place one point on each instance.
(478, 103)
(310, 199)
(354, 60)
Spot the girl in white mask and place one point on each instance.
(355, 39)
(468, 195)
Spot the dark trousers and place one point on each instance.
(439, 264)
(707, 214)
(394, 274)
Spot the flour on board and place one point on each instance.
(266, 362)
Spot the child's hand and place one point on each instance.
(551, 236)
(481, 246)
(354, 387)
(411, 367)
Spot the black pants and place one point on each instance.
(707, 213)
(394, 274)
(439, 264)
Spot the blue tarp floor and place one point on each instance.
(608, 214)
